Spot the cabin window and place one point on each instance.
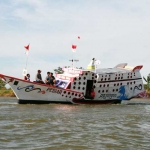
(61, 84)
(16, 82)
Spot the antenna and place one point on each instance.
(73, 60)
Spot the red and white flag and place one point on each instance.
(27, 48)
(74, 47)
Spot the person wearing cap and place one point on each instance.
(38, 77)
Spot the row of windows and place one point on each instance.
(105, 79)
(79, 83)
(69, 93)
(104, 85)
(79, 88)
(113, 74)
(68, 96)
(114, 90)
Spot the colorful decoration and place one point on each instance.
(122, 93)
(31, 88)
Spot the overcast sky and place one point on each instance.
(114, 32)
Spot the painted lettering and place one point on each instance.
(108, 96)
(54, 90)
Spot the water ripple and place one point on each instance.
(74, 127)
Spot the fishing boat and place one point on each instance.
(82, 86)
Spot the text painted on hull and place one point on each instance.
(108, 96)
(54, 90)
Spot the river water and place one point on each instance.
(123, 126)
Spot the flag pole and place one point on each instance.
(25, 70)
(26, 61)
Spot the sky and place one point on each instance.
(113, 32)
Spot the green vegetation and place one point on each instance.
(2, 84)
(5, 92)
(147, 86)
(59, 70)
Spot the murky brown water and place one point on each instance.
(75, 127)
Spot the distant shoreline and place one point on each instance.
(3, 97)
(7, 93)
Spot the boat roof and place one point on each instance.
(70, 73)
(110, 70)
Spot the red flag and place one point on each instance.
(74, 46)
(26, 47)
(78, 37)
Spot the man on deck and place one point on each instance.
(38, 77)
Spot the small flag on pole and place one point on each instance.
(74, 47)
(27, 49)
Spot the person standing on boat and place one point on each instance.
(38, 77)
(27, 77)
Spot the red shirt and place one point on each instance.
(93, 94)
